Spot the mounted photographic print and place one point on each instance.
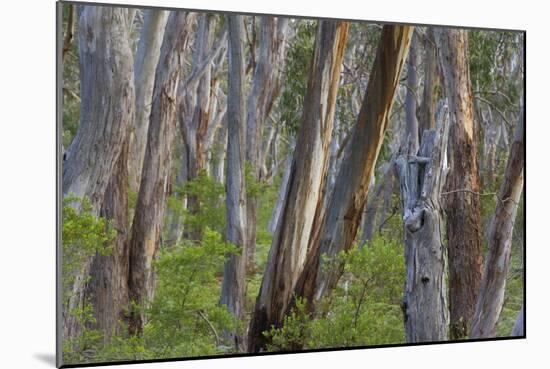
(244, 184)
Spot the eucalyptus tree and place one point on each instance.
(106, 112)
(497, 262)
(303, 199)
(233, 283)
(266, 86)
(145, 65)
(151, 200)
(462, 201)
(336, 230)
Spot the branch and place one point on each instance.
(201, 314)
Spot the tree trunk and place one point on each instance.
(196, 107)
(431, 83)
(303, 199)
(337, 229)
(421, 176)
(275, 215)
(232, 294)
(491, 293)
(107, 288)
(149, 213)
(147, 57)
(462, 203)
(519, 326)
(106, 110)
(265, 89)
(411, 102)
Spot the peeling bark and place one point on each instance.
(149, 213)
(337, 229)
(107, 103)
(303, 199)
(462, 208)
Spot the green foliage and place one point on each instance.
(298, 60)
(211, 210)
(86, 345)
(363, 310)
(83, 235)
(186, 300)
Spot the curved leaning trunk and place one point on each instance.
(150, 208)
(303, 199)
(146, 60)
(497, 262)
(107, 103)
(336, 230)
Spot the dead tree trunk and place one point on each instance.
(149, 213)
(265, 89)
(232, 293)
(337, 229)
(107, 103)
(421, 176)
(303, 199)
(491, 293)
(462, 203)
(147, 56)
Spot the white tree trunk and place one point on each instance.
(232, 293)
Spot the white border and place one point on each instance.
(27, 184)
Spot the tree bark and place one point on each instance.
(462, 202)
(519, 327)
(232, 293)
(149, 213)
(303, 199)
(421, 178)
(196, 107)
(265, 89)
(431, 83)
(107, 288)
(497, 262)
(145, 64)
(106, 110)
(337, 229)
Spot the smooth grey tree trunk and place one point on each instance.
(265, 89)
(519, 327)
(303, 199)
(233, 283)
(145, 64)
(106, 111)
(151, 201)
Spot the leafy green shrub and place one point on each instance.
(184, 318)
(363, 310)
(83, 235)
(211, 210)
